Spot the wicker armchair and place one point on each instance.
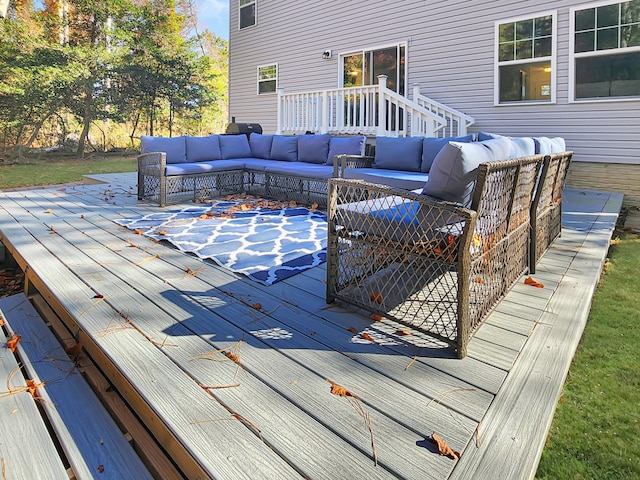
(546, 209)
(429, 264)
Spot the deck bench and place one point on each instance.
(91, 442)
(434, 265)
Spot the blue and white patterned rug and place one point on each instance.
(267, 241)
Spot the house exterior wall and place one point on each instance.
(450, 55)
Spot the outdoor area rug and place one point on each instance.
(266, 240)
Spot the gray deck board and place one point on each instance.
(91, 440)
(26, 449)
(290, 348)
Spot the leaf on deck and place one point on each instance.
(443, 447)
(12, 342)
(534, 283)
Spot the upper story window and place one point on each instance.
(525, 60)
(247, 13)
(267, 78)
(605, 51)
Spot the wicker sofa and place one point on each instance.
(291, 167)
(440, 260)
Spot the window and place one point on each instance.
(525, 54)
(267, 78)
(363, 67)
(247, 13)
(605, 50)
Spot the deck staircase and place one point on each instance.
(358, 110)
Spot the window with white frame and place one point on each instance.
(267, 78)
(605, 51)
(525, 60)
(247, 13)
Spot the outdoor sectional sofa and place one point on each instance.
(428, 232)
(289, 167)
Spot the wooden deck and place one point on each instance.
(168, 326)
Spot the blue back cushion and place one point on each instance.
(313, 148)
(454, 171)
(201, 149)
(174, 147)
(260, 145)
(284, 147)
(431, 146)
(235, 146)
(398, 153)
(353, 145)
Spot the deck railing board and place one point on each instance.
(26, 449)
(91, 440)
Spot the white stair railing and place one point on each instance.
(457, 123)
(356, 110)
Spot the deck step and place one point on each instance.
(90, 440)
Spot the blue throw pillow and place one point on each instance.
(235, 146)
(174, 147)
(353, 145)
(482, 136)
(313, 148)
(398, 153)
(454, 170)
(432, 145)
(260, 145)
(284, 147)
(201, 149)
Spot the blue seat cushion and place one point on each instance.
(174, 147)
(203, 167)
(201, 149)
(454, 171)
(260, 145)
(284, 147)
(313, 148)
(398, 153)
(432, 145)
(353, 145)
(301, 169)
(391, 178)
(235, 146)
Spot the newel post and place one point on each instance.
(382, 105)
(280, 111)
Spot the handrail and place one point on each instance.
(356, 110)
(457, 123)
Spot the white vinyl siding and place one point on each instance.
(450, 55)
(525, 59)
(605, 51)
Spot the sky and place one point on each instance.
(214, 16)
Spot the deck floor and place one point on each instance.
(168, 326)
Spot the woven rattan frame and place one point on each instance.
(432, 265)
(546, 208)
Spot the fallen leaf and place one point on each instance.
(477, 239)
(403, 332)
(82, 216)
(443, 448)
(534, 283)
(161, 232)
(48, 210)
(12, 342)
(478, 280)
(139, 232)
(340, 391)
(98, 295)
(375, 297)
(353, 330)
(51, 229)
(32, 387)
(366, 336)
(100, 468)
(375, 316)
(256, 306)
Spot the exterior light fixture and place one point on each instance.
(326, 54)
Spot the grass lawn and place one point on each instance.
(54, 171)
(594, 434)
